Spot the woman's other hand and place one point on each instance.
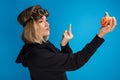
(109, 28)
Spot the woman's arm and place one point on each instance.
(66, 49)
(46, 60)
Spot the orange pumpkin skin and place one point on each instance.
(105, 21)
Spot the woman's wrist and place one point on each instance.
(64, 42)
(101, 35)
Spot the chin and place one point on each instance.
(46, 37)
(48, 33)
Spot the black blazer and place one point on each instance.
(46, 62)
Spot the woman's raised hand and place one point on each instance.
(67, 35)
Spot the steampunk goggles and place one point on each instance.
(37, 14)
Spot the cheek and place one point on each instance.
(43, 30)
(41, 27)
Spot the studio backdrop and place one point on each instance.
(84, 15)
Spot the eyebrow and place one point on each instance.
(40, 19)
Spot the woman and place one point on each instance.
(43, 59)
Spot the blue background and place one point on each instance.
(84, 15)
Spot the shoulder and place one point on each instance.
(39, 51)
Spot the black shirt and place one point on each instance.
(46, 62)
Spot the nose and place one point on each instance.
(47, 23)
